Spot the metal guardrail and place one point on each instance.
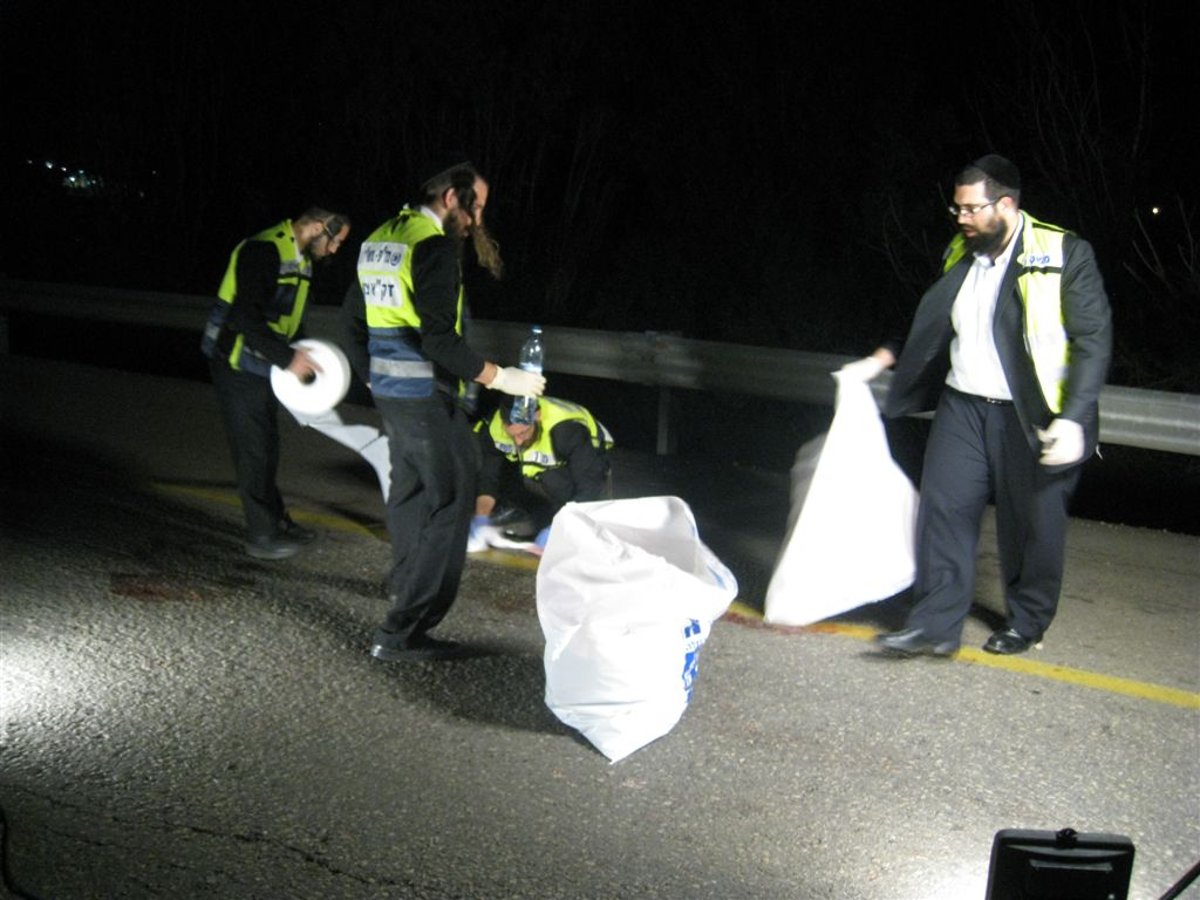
(1154, 420)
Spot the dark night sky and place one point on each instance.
(767, 172)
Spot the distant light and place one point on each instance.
(1154, 210)
(49, 164)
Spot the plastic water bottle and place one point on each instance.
(533, 352)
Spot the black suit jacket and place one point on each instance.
(924, 362)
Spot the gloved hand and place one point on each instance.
(481, 529)
(1062, 442)
(539, 542)
(861, 369)
(518, 382)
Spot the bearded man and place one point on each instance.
(257, 315)
(1011, 346)
(406, 316)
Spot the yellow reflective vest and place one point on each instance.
(399, 368)
(285, 310)
(539, 455)
(1039, 281)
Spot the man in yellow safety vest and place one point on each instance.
(406, 314)
(1011, 346)
(530, 471)
(259, 310)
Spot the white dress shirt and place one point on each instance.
(974, 361)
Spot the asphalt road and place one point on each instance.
(182, 721)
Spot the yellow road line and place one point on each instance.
(226, 497)
(216, 495)
(514, 560)
(230, 498)
(1024, 665)
(1130, 688)
(1141, 689)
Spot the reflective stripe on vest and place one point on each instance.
(1039, 281)
(285, 310)
(539, 456)
(399, 368)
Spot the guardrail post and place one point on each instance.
(665, 442)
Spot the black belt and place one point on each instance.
(994, 401)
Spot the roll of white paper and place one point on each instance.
(325, 391)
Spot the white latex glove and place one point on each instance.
(481, 535)
(1062, 442)
(518, 382)
(539, 543)
(861, 369)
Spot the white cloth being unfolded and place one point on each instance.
(852, 532)
(365, 440)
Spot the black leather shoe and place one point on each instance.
(278, 547)
(297, 533)
(515, 524)
(1008, 641)
(912, 642)
(419, 649)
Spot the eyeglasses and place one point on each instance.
(331, 239)
(970, 210)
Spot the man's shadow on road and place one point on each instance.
(498, 683)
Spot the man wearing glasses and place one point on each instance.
(1011, 346)
(258, 313)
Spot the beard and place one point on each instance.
(986, 241)
(487, 251)
(487, 248)
(455, 226)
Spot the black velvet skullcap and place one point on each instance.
(443, 163)
(1000, 170)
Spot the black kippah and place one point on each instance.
(1000, 170)
(441, 164)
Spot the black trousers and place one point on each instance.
(435, 466)
(536, 502)
(978, 451)
(251, 415)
